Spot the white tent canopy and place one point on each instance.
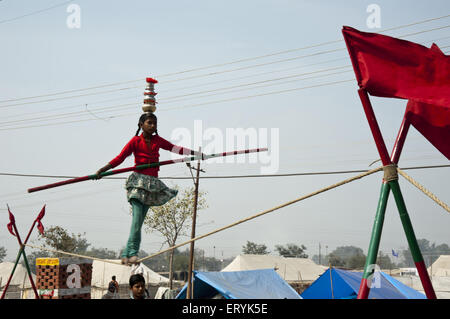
(20, 277)
(441, 267)
(103, 271)
(290, 269)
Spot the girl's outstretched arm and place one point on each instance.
(178, 149)
(103, 169)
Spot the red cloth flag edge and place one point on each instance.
(433, 122)
(38, 220)
(12, 222)
(388, 67)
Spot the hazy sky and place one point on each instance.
(314, 121)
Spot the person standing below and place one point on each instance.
(137, 287)
(113, 289)
(113, 285)
(144, 189)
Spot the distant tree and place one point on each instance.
(173, 219)
(254, 249)
(430, 252)
(2, 253)
(59, 239)
(31, 258)
(102, 253)
(291, 250)
(348, 257)
(356, 262)
(384, 262)
(335, 260)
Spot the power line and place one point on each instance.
(184, 88)
(235, 176)
(199, 104)
(183, 79)
(241, 86)
(231, 62)
(195, 76)
(83, 113)
(35, 12)
(188, 106)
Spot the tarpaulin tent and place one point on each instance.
(290, 269)
(344, 284)
(248, 284)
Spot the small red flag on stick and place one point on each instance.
(12, 222)
(38, 220)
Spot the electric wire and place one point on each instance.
(193, 86)
(188, 106)
(34, 12)
(214, 73)
(83, 113)
(231, 176)
(236, 61)
(240, 87)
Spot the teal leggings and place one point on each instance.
(134, 240)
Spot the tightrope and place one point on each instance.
(230, 225)
(267, 211)
(75, 255)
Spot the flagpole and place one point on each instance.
(144, 166)
(22, 248)
(390, 182)
(400, 140)
(22, 251)
(412, 241)
(406, 222)
(374, 245)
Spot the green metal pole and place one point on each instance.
(412, 241)
(374, 245)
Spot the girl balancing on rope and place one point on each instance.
(144, 189)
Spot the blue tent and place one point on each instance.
(247, 284)
(344, 284)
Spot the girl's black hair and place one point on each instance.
(134, 279)
(144, 117)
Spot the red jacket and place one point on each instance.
(145, 155)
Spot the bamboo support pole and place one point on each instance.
(189, 293)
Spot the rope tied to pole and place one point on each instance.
(390, 172)
(424, 190)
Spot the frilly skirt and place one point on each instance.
(149, 190)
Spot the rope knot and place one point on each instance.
(390, 172)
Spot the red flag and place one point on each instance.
(433, 122)
(38, 220)
(12, 222)
(389, 67)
